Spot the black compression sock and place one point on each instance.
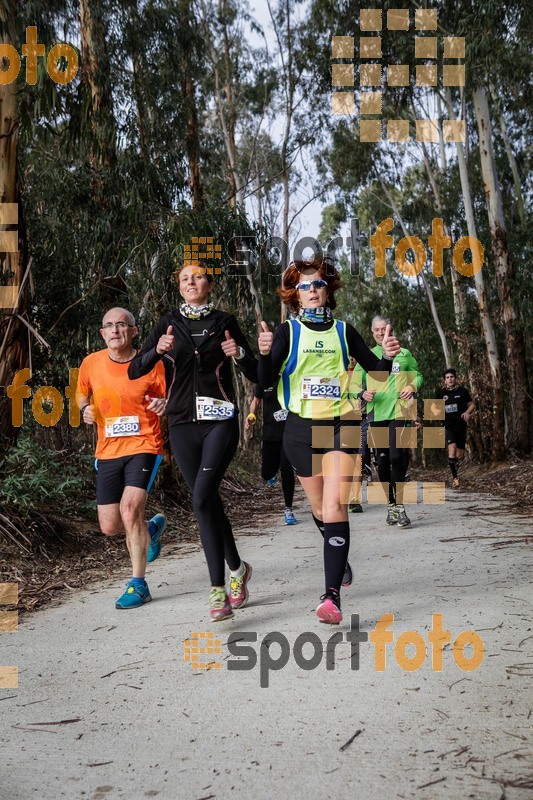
(336, 547)
(452, 462)
(319, 524)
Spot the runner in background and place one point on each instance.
(392, 409)
(273, 458)
(458, 408)
(128, 452)
(197, 343)
(311, 354)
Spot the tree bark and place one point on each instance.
(498, 421)
(459, 305)
(95, 75)
(285, 47)
(519, 434)
(510, 156)
(193, 144)
(188, 88)
(427, 287)
(14, 343)
(228, 89)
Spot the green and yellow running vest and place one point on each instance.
(314, 380)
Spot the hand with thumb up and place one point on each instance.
(229, 346)
(265, 340)
(166, 342)
(391, 345)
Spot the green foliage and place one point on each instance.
(106, 196)
(36, 477)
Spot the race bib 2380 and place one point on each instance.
(122, 426)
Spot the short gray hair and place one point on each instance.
(379, 318)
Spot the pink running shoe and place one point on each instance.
(329, 610)
(238, 587)
(220, 607)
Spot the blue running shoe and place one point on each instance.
(272, 482)
(134, 596)
(289, 517)
(154, 547)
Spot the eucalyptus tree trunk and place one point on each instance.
(489, 336)
(285, 46)
(228, 136)
(514, 338)
(510, 156)
(459, 305)
(227, 114)
(188, 88)
(95, 76)
(427, 287)
(14, 345)
(232, 115)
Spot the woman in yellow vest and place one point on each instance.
(311, 353)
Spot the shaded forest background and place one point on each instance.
(188, 118)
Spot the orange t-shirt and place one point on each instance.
(114, 395)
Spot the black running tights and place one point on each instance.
(203, 451)
(273, 458)
(393, 460)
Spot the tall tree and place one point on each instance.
(486, 324)
(519, 437)
(14, 350)
(188, 40)
(96, 80)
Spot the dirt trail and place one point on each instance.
(107, 707)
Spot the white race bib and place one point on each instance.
(122, 426)
(451, 408)
(281, 415)
(318, 388)
(211, 408)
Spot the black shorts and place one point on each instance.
(273, 459)
(113, 474)
(298, 440)
(456, 433)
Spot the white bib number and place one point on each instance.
(281, 415)
(211, 408)
(122, 426)
(451, 408)
(318, 388)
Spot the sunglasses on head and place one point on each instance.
(317, 283)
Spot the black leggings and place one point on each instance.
(393, 461)
(203, 451)
(273, 458)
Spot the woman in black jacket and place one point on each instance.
(196, 343)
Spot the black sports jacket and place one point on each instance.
(194, 369)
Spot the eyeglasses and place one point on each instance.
(120, 325)
(318, 283)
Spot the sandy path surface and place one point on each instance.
(138, 721)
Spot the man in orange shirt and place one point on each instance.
(128, 452)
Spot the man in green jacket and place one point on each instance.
(393, 407)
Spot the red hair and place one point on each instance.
(293, 275)
(201, 267)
